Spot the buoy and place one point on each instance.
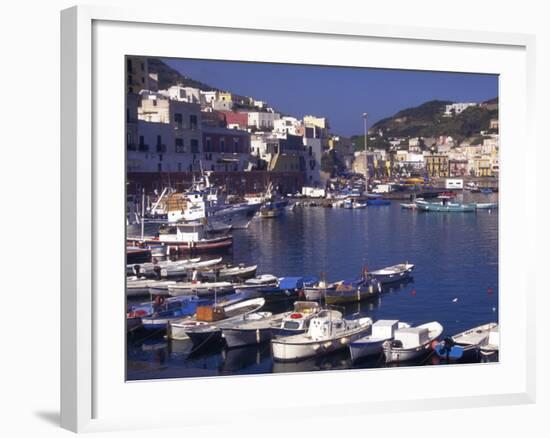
(434, 344)
(413, 292)
(455, 300)
(489, 290)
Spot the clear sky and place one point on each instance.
(342, 94)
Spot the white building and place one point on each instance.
(182, 94)
(313, 152)
(288, 125)
(262, 120)
(457, 108)
(208, 96)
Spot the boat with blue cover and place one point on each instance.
(465, 344)
(288, 288)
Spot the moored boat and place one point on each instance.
(445, 206)
(466, 343)
(138, 287)
(250, 331)
(351, 291)
(371, 344)
(297, 321)
(202, 328)
(329, 331)
(136, 254)
(231, 273)
(188, 237)
(412, 343)
(391, 274)
(200, 289)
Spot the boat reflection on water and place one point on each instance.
(249, 359)
(336, 361)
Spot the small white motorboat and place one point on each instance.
(328, 331)
(297, 321)
(152, 269)
(200, 289)
(371, 344)
(180, 270)
(138, 287)
(412, 343)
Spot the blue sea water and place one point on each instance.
(455, 280)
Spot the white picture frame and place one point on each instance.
(90, 389)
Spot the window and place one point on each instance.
(194, 146)
(178, 118)
(142, 66)
(208, 146)
(129, 79)
(222, 144)
(236, 145)
(129, 65)
(193, 121)
(180, 145)
(159, 167)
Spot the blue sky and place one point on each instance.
(342, 94)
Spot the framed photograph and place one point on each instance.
(274, 205)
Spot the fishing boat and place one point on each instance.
(231, 273)
(371, 344)
(317, 291)
(287, 288)
(159, 319)
(202, 328)
(486, 205)
(412, 343)
(352, 291)
(250, 331)
(152, 269)
(489, 349)
(184, 269)
(329, 331)
(444, 206)
(261, 281)
(297, 321)
(464, 344)
(138, 287)
(201, 289)
(175, 308)
(391, 274)
(188, 237)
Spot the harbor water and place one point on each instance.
(455, 281)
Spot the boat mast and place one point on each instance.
(366, 157)
(142, 212)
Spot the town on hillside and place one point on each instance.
(178, 128)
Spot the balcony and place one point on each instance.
(143, 148)
(161, 148)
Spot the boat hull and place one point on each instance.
(291, 352)
(360, 349)
(351, 296)
(235, 338)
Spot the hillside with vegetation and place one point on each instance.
(168, 76)
(427, 120)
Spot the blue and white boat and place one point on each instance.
(444, 206)
(391, 274)
(288, 288)
(378, 202)
(465, 344)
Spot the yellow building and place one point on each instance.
(483, 166)
(284, 163)
(225, 96)
(437, 166)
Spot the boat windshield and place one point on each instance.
(291, 325)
